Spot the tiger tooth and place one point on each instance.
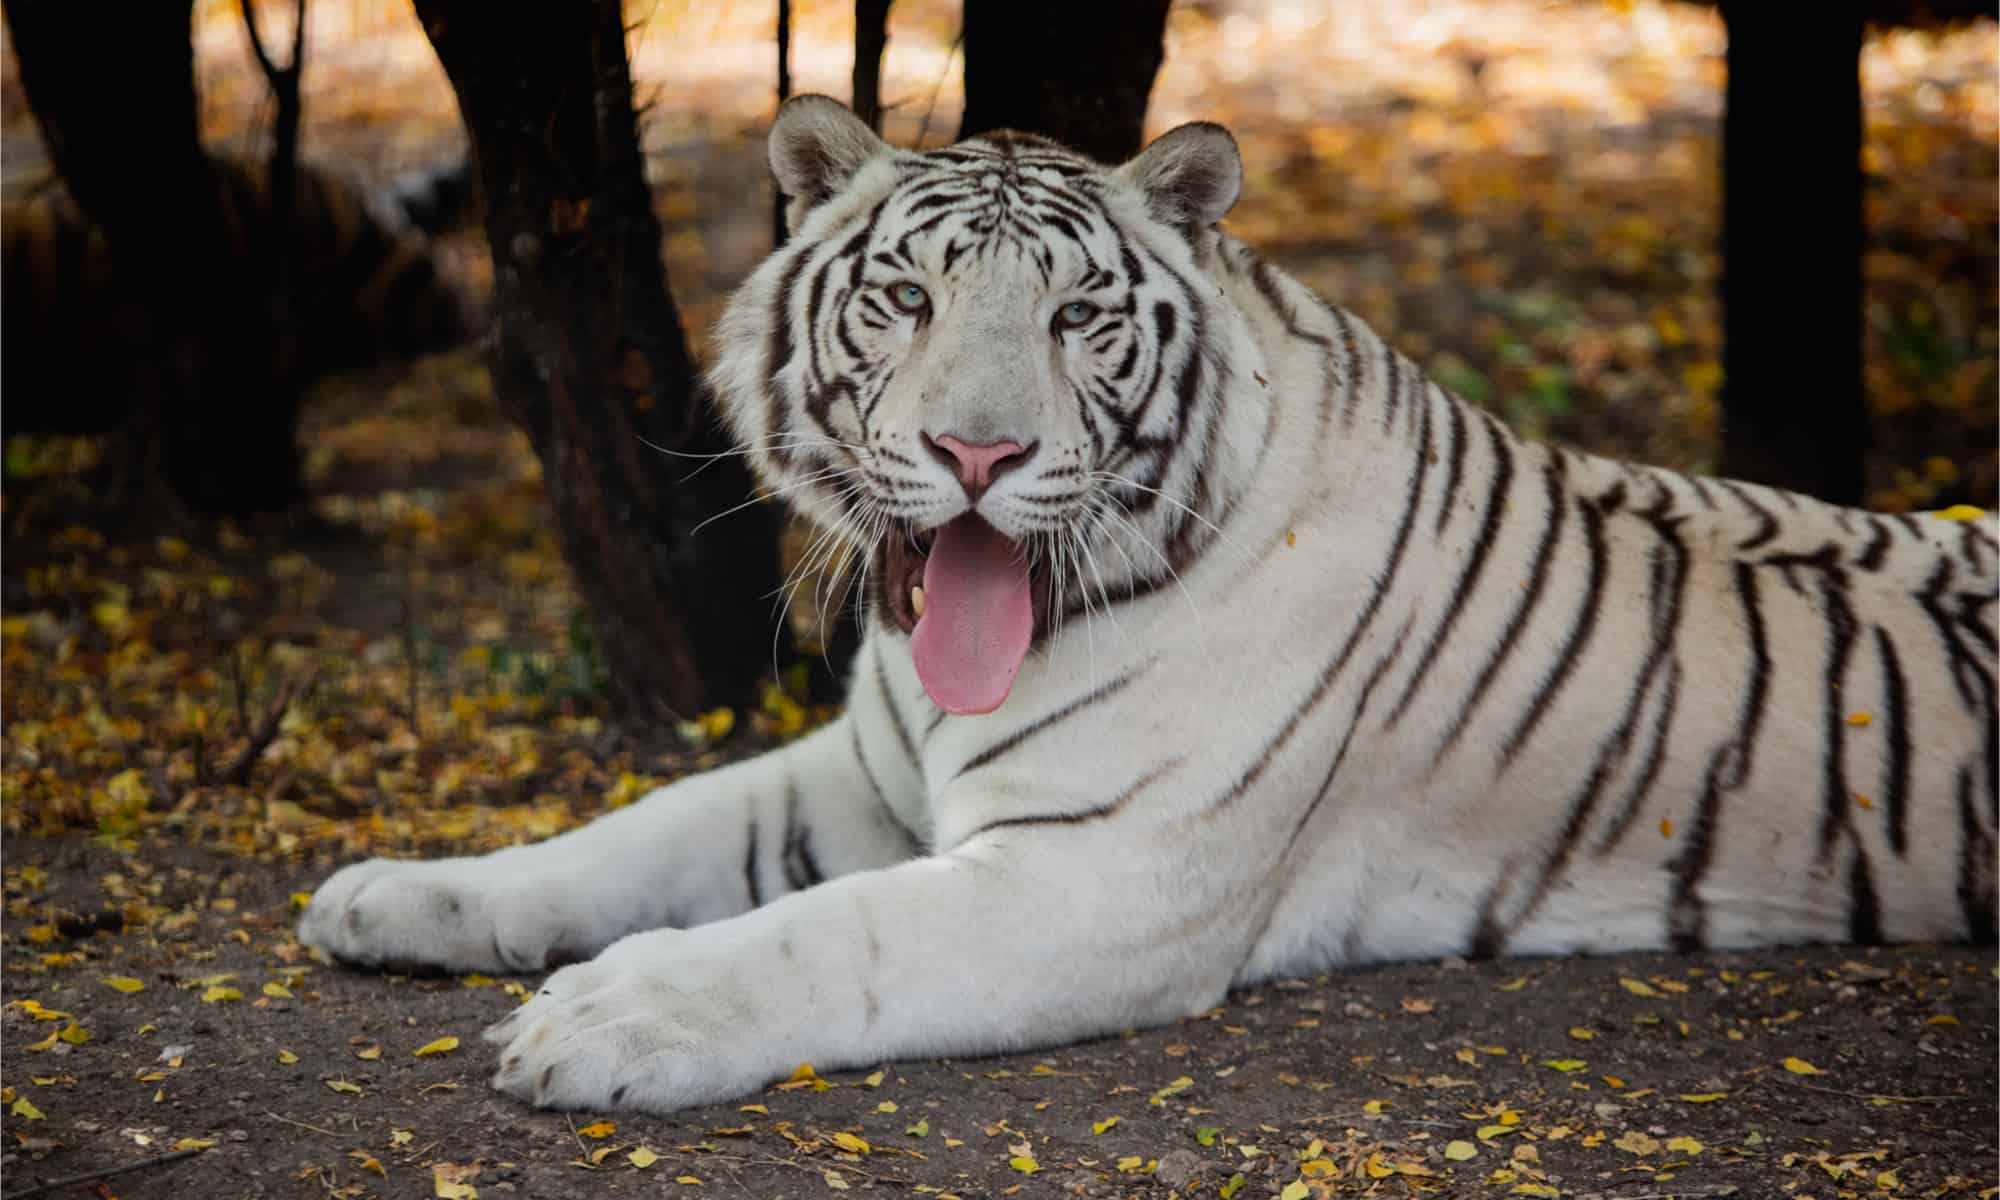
(917, 601)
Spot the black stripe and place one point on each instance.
(1975, 867)
(1728, 767)
(895, 711)
(1086, 815)
(875, 789)
(1649, 766)
(1454, 460)
(1336, 664)
(1864, 911)
(1392, 384)
(1375, 675)
(1767, 525)
(1668, 577)
(1878, 544)
(1351, 363)
(1896, 729)
(1971, 677)
(1488, 938)
(1538, 574)
(1841, 629)
(1468, 579)
(1014, 739)
(1579, 634)
(750, 868)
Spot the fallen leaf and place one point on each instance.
(598, 1129)
(921, 1129)
(1295, 1190)
(642, 1158)
(850, 1143)
(1637, 987)
(452, 1182)
(1460, 1151)
(341, 1085)
(277, 991)
(1235, 1183)
(1703, 1097)
(1568, 1066)
(1025, 1164)
(443, 1045)
(1799, 1066)
(195, 1144)
(23, 1107)
(219, 993)
(1101, 1126)
(124, 983)
(287, 1058)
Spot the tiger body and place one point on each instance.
(1327, 667)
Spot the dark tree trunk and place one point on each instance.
(1076, 72)
(871, 39)
(1793, 414)
(118, 116)
(591, 360)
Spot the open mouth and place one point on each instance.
(972, 605)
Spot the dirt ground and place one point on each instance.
(1811, 1073)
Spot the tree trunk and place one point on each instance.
(1793, 416)
(118, 117)
(590, 357)
(871, 39)
(1078, 73)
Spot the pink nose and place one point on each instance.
(977, 466)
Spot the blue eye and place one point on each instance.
(909, 297)
(1074, 314)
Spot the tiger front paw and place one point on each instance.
(449, 915)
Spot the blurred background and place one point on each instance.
(290, 536)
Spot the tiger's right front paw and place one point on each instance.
(463, 914)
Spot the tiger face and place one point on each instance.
(987, 370)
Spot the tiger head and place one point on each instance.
(991, 371)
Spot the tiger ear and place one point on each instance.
(816, 147)
(1191, 175)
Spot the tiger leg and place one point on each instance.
(703, 848)
(1022, 937)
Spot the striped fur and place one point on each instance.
(1353, 674)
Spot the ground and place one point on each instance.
(201, 722)
(1814, 1072)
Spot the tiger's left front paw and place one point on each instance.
(646, 1025)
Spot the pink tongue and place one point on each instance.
(978, 618)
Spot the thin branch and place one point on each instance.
(69, 1181)
(238, 772)
(300, 1124)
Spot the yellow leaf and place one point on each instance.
(1512, 985)
(832, 1177)
(1374, 1107)
(850, 1143)
(874, 1079)
(300, 900)
(598, 1129)
(1175, 1088)
(1704, 1097)
(1941, 1019)
(1295, 1190)
(1534, 1189)
(363, 1160)
(344, 1087)
(1568, 1066)
(25, 1108)
(887, 1106)
(804, 1077)
(1460, 1151)
(220, 993)
(451, 1182)
(1130, 1164)
(1487, 1133)
(598, 1155)
(1886, 1181)
(642, 1158)
(402, 1137)
(921, 1129)
(1799, 1066)
(1960, 512)
(1685, 1145)
(444, 1045)
(370, 1054)
(1101, 1126)
(1637, 987)
(1024, 1164)
(1634, 1142)
(1580, 1033)
(74, 1034)
(277, 990)
(759, 1109)
(476, 980)
(287, 1058)
(124, 983)
(1376, 1168)
(195, 1144)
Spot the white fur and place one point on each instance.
(960, 916)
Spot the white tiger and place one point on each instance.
(1211, 643)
